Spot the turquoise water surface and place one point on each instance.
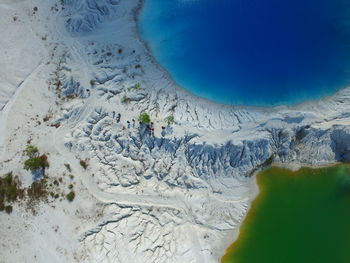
(253, 52)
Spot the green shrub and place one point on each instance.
(124, 99)
(169, 120)
(2, 193)
(70, 187)
(36, 163)
(11, 193)
(137, 86)
(144, 118)
(32, 164)
(31, 151)
(7, 179)
(70, 196)
(10, 189)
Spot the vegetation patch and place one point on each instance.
(44, 189)
(125, 99)
(83, 164)
(10, 191)
(170, 120)
(67, 165)
(70, 197)
(8, 209)
(144, 118)
(38, 190)
(35, 161)
(31, 151)
(137, 86)
(46, 118)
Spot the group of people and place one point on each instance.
(149, 127)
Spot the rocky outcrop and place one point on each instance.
(84, 16)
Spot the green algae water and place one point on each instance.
(298, 217)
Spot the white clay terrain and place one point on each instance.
(174, 197)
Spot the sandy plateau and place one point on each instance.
(178, 195)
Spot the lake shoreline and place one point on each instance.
(148, 30)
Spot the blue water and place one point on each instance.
(253, 52)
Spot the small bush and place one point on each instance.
(83, 164)
(144, 118)
(35, 163)
(137, 86)
(44, 161)
(10, 189)
(31, 151)
(46, 118)
(2, 194)
(124, 99)
(67, 165)
(70, 196)
(7, 179)
(8, 209)
(38, 190)
(170, 120)
(70, 187)
(92, 82)
(11, 193)
(32, 164)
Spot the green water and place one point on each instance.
(298, 217)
